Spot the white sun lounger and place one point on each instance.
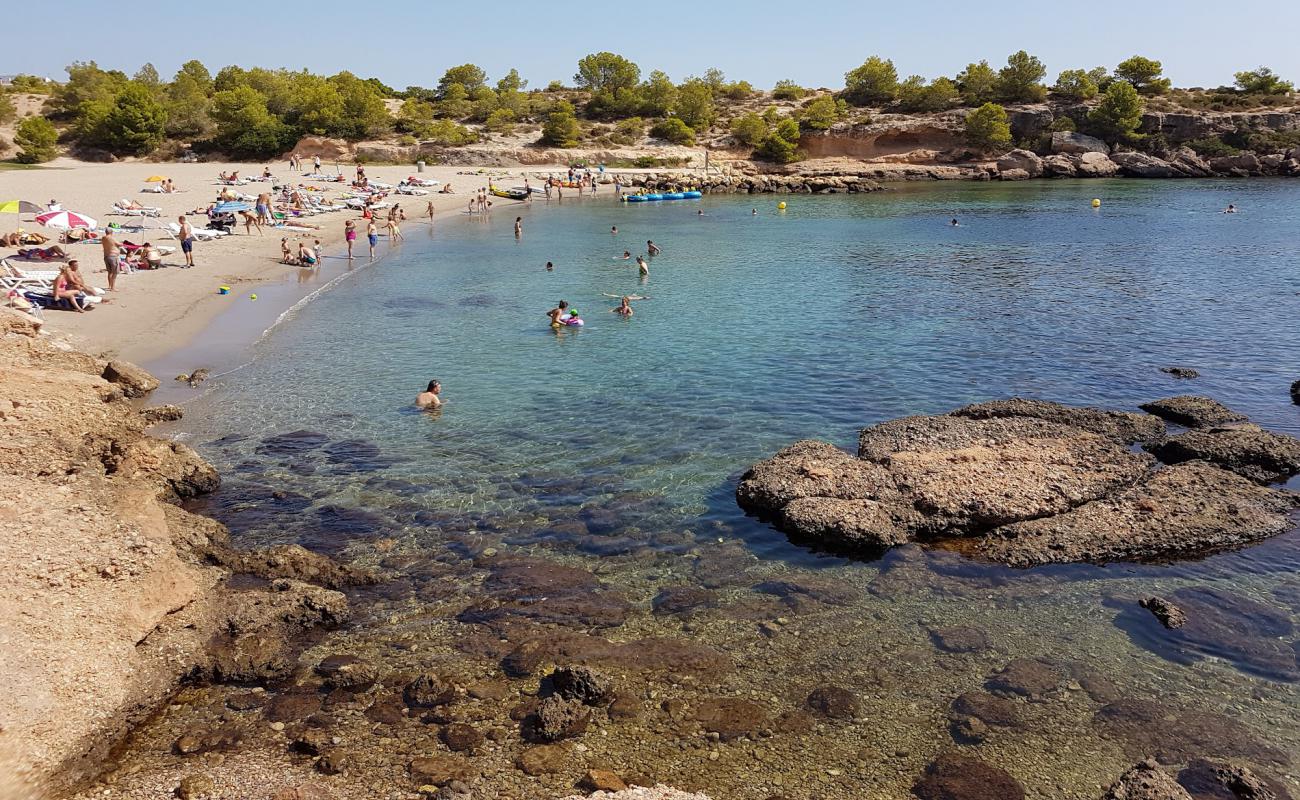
(12, 277)
(202, 234)
(147, 211)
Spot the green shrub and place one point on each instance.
(978, 84)
(1119, 114)
(788, 90)
(749, 129)
(501, 121)
(135, 125)
(447, 133)
(1020, 81)
(1075, 84)
(1262, 81)
(1143, 74)
(695, 104)
(673, 130)
(820, 113)
(987, 127)
(915, 96)
(36, 139)
(873, 83)
(628, 131)
(782, 144)
(561, 128)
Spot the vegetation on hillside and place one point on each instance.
(258, 113)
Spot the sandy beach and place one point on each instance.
(155, 312)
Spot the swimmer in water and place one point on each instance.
(614, 231)
(624, 308)
(699, 213)
(627, 256)
(519, 227)
(429, 398)
(550, 267)
(753, 212)
(642, 267)
(1231, 209)
(954, 222)
(557, 312)
(652, 248)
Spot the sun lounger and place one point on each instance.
(12, 277)
(202, 234)
(127, 211)
(412, 190)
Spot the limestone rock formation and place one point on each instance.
(1192, 411)
(1141, 165)
(1077, 143)
(1096, 165)
(1022, 160)
(1020, 481)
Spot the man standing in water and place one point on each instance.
(519, 227)
(642, 267)
(372, 234)
(429, 399)
(652, 248)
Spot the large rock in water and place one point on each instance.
(1141, 165)
(1070, 142)
(1021, 159)
(1096, 165)
(1024, 482)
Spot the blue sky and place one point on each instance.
(404, 42)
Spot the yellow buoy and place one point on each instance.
(252, 297)
(1096, 203)
(781, 205)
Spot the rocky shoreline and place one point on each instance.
(1028, 482)
(113, 597)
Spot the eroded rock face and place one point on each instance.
(1251, 452)
(1077, 143)
(1023, 160)
(1141, 165)
(1028, 482)
(1193, 411)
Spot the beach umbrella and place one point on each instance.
(19, 207)
(155, 179)
(232, 206)
(65, 219)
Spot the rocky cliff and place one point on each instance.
(110, 595)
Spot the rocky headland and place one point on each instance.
(1028, 482)
(112, 596)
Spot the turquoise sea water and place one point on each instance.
(618, 445)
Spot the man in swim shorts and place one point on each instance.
(112, 259)
(372, 233)
(186, 236)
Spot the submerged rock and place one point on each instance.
(1146, 781)
(1295, 393)
(583, 684)
(730, 717)
(1170, 615)
(974, 713)
(555, 719)
(1193, 411)
(834, 702)
(955, 777)
(1186, 373)
(1211, 780)
(1029, 678)
(960, 639)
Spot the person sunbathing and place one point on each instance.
(43, 253)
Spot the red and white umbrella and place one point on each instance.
(65, 219)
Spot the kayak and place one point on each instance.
(645, 198)
(509, 194)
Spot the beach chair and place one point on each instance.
(202, 234)
(12, 277)
(126, 211)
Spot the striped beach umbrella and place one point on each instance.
(65, 219)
